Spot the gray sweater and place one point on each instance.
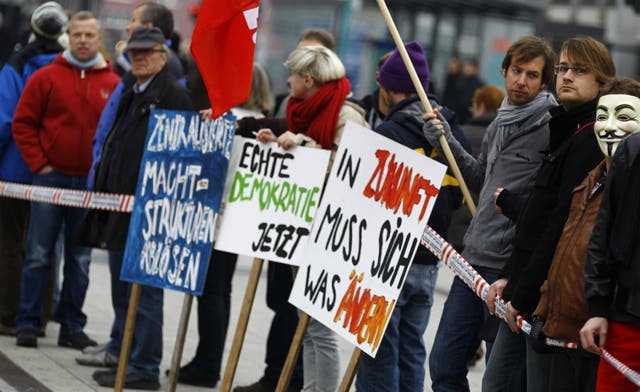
(509, 158)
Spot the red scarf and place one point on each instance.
(317, 116)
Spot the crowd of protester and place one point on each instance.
(554, 177)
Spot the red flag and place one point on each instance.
(223, 45)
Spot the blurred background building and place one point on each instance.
(477, 29)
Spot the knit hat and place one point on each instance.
(394, 75)
(49, 20)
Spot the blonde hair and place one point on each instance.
(318, 62)
(260, 95)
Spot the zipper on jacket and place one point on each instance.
(82, 74)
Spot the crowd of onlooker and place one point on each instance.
(555, 232)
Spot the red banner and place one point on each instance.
(223, 44)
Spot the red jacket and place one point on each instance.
(57, 115)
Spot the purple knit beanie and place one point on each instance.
(394, 75)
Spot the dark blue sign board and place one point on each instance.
(180, 186)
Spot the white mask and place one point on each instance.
(617, 117)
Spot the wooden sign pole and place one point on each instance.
(127, 337)
(292, 355)
(241, 328)
(351, 371)
(179, 347)
(425, 102)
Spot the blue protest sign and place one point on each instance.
(180, 185)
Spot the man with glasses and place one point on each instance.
(117, 172)
(510, 155)
(585, 67)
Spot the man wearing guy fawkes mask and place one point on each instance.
(612, 270)
(562, 309)
(615, 120)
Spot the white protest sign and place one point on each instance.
(365, 234)
(270, 200)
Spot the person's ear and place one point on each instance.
(308, 80)
(503, 72)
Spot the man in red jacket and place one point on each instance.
(53, 126)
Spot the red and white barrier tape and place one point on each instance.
(68, 197)
(443, 250)
(430, 239)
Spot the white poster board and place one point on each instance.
(270, 200)
(367, 229)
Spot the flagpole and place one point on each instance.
(425, 102)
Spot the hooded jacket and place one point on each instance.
(57, 115)
(13, 77)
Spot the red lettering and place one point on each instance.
(397, 186)
(365, 316)
(382, 156)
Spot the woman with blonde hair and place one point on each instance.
(214, 305)
(316, 115)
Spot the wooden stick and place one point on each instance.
(294, 351)
(351, 371)
(125, 349)
(179, 347)
(241, 328)
(425, 102)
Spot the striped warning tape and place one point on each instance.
(443, 250)
(68, 197)
(430, 239)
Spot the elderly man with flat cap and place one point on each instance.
(117, 172)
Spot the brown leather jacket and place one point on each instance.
(562, 303)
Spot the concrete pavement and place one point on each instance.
(51, 368)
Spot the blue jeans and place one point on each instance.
(399, 362)
(146, 347)
(45, 223)
(320, 358)
(458, 337)
(506, 368)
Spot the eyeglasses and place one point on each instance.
(577, 70)
(144, 52)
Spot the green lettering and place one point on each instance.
(310, 203)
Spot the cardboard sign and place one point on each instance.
(366, 232)
(180, 185)
(270, 200)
